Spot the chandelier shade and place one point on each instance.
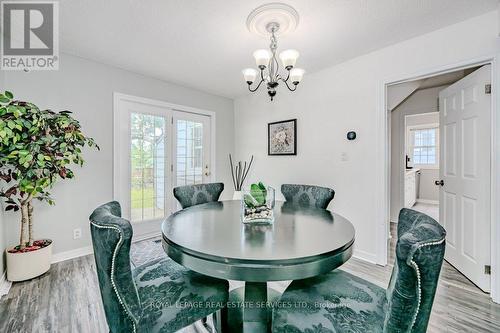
(289, 57)
(249, 74)
(296, 75)
(262, 57)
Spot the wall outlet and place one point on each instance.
(77, 233)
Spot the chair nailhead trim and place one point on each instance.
(115, 251)
(417, 270)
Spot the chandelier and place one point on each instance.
(269, 19)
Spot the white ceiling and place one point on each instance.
(205, 44)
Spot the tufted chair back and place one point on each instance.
(191, 195)
(419, 256)
(308, 195)
(111, 237)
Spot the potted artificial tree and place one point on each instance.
(36, 149)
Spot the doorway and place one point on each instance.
(157, 146)
(421, 154)
(440, 138)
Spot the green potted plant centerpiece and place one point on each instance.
(258, 204)
(37, 147)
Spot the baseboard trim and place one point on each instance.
(86, 250)
(429, 202)
(145, 236)
(72, 254)
(365, 256)
(4, 284)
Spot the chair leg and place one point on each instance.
(220, 320)
(204, 322)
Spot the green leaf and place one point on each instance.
(11, 124)
(9, 95)
(249, 201)
(11, 108)
(258, 194)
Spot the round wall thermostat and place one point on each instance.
(351, 136)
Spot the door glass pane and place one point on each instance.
(147, 157)
(189, 163)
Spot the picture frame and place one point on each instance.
(282, 138)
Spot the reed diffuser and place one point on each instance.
(239, 172)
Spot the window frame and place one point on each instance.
(410, 144)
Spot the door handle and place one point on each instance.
(439, 182)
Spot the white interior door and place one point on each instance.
(464, 211)
(192, 149)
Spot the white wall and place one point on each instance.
(345, 97)
(86, 88)
(422, 101)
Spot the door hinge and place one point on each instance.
(487, 269)
(171, 167)
(487, 89)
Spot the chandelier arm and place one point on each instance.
(254, 90)
(286, 83)
(287, 76)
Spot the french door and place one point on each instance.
(156, 148)
(191, 150)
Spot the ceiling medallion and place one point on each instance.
(273, 20)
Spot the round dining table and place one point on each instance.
(301, 242)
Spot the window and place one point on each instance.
(424, 147)
(189, 152)
(147, 158)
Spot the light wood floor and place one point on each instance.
(67, 299)
(430, 209)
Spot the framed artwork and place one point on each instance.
(282, 137)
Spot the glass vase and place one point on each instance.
(258, 209)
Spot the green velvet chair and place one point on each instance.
(191, 195)
(339, 302)
(159, 296)
(307, 195)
